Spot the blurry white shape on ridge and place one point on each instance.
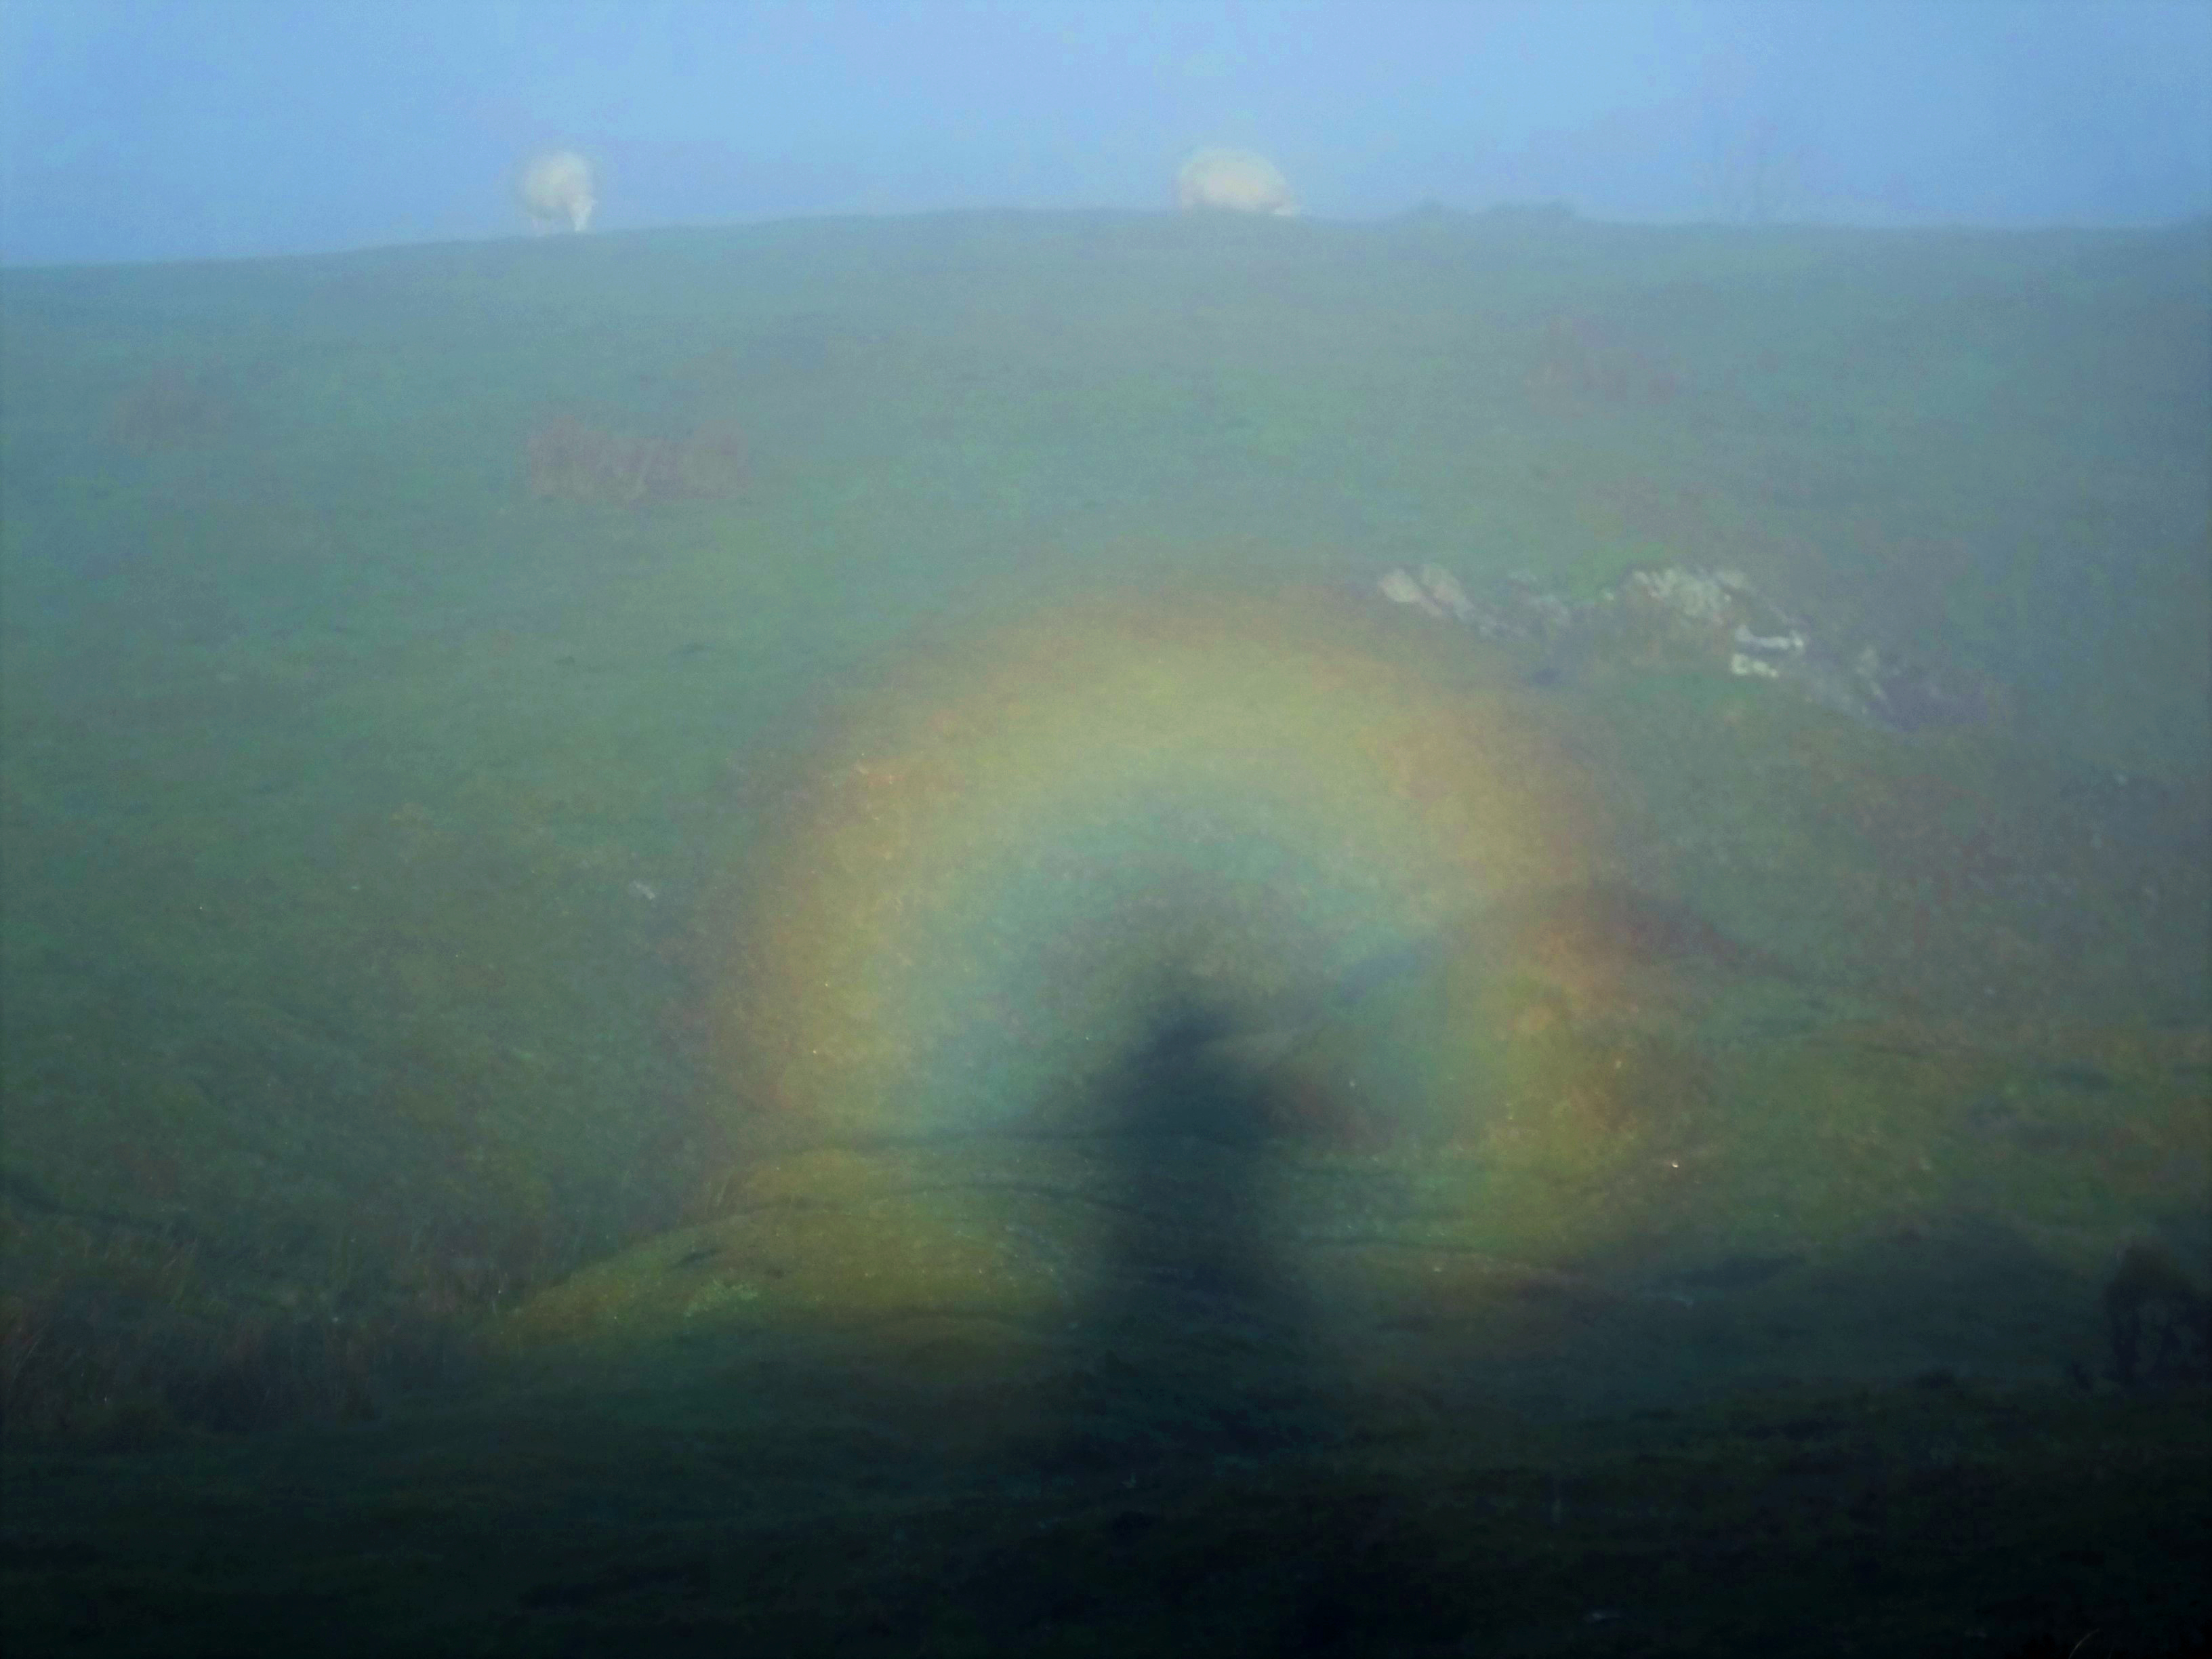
(558, 186)
(1235, 180)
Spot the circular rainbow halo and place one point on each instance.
(1023, 856)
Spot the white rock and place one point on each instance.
(1443, 587)
(1400, 589)
(1791, 644)
(1697, 595)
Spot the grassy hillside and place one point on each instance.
(521, 762)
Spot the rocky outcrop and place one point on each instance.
(1710, 615)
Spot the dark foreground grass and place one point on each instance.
(748, 1510)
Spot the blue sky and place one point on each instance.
(198, 128)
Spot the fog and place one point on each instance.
(205, 129)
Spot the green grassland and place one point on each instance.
(410, 660)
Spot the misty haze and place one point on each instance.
(1142, 829)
